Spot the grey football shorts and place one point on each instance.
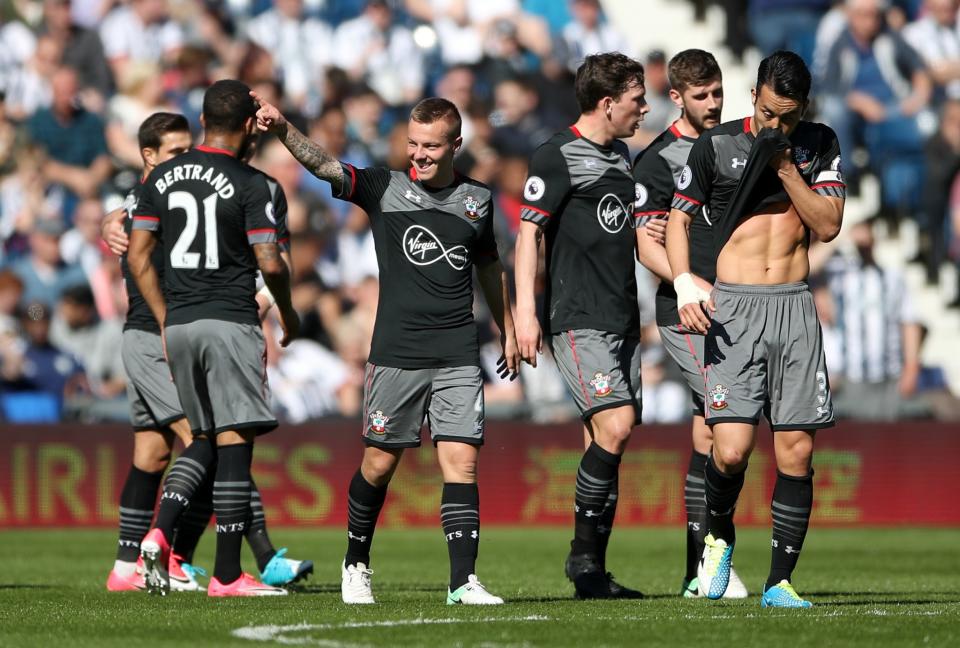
(220, 371)
(397, 402)
(154, 403)
(601, 369)
(686, 349)
(764, 354)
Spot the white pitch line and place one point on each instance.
(278, 633)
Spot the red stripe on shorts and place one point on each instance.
(576, 360)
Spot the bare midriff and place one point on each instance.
(768, 247)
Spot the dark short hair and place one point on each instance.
(227, 105)
(786, 74)
(434, 109)
(605, 75)
(79, 294)
(692, 67)
(159, 124)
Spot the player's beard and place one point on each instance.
(700, 122)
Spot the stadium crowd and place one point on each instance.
(78, 77)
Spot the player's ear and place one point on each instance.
(203, 121)
(753, 96)
(150, 156)
(457, 143)
(676, 98)
(607, 104)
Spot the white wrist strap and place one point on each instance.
(688, 292)
(266, 293)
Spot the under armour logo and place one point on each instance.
(590, 163)
(791, 550)
(474, 534)
(591, 514)
(355, 537)
(414, 196)
(738, 162)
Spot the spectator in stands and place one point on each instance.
(77, 330)
(374, 49)
(663, 112)
(11, 290)
(466, 29)
(73, 140)
(80, 245)
(140, 95)
(43, 272)
(874, 377)
(11, 141)
(308, 381)
(518, 126)
(937, 39)
(943, 165)
(876, 91)
(786, 24)
(28, 88)
(33, 364)
(588, 33)
(664, 400)
(140, 31)
(302, 47)
(456, 85)
(82, 48)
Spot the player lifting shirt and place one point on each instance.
(767, 181)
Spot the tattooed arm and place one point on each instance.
(310, 154)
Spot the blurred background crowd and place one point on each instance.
(77, 77)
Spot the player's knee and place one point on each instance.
(378, 466)
(730, 459)
(151, 451)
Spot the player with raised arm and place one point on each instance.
(768, 181)
(431, 228)
(214, 218)
(697, 89)
(155, 409)
(579, 194)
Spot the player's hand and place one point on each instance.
(657, 230)
(111, 231)
(269, 118)
(290, 323)
(529, 339)
(508, 366)
(693, 295)
(782, 162)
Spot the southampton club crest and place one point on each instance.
(718, 397)
(472, 208)
(601, 384)
(378, 422)
(801, 156)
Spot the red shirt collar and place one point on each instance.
(211, 149)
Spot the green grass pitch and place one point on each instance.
(871, 587)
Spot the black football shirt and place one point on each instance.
(427, 242)
(656, 171)
(209, 209)
(582, 195)
(139, 315)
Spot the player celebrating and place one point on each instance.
(767, 181)
(580, 193)
(430, 227)
(212, 331)
(697, 89)
(155, 410)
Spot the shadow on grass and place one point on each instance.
(328, 588)
(19, 586)
(884, 601)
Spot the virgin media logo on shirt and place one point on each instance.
(611, 213)
(423, 248)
